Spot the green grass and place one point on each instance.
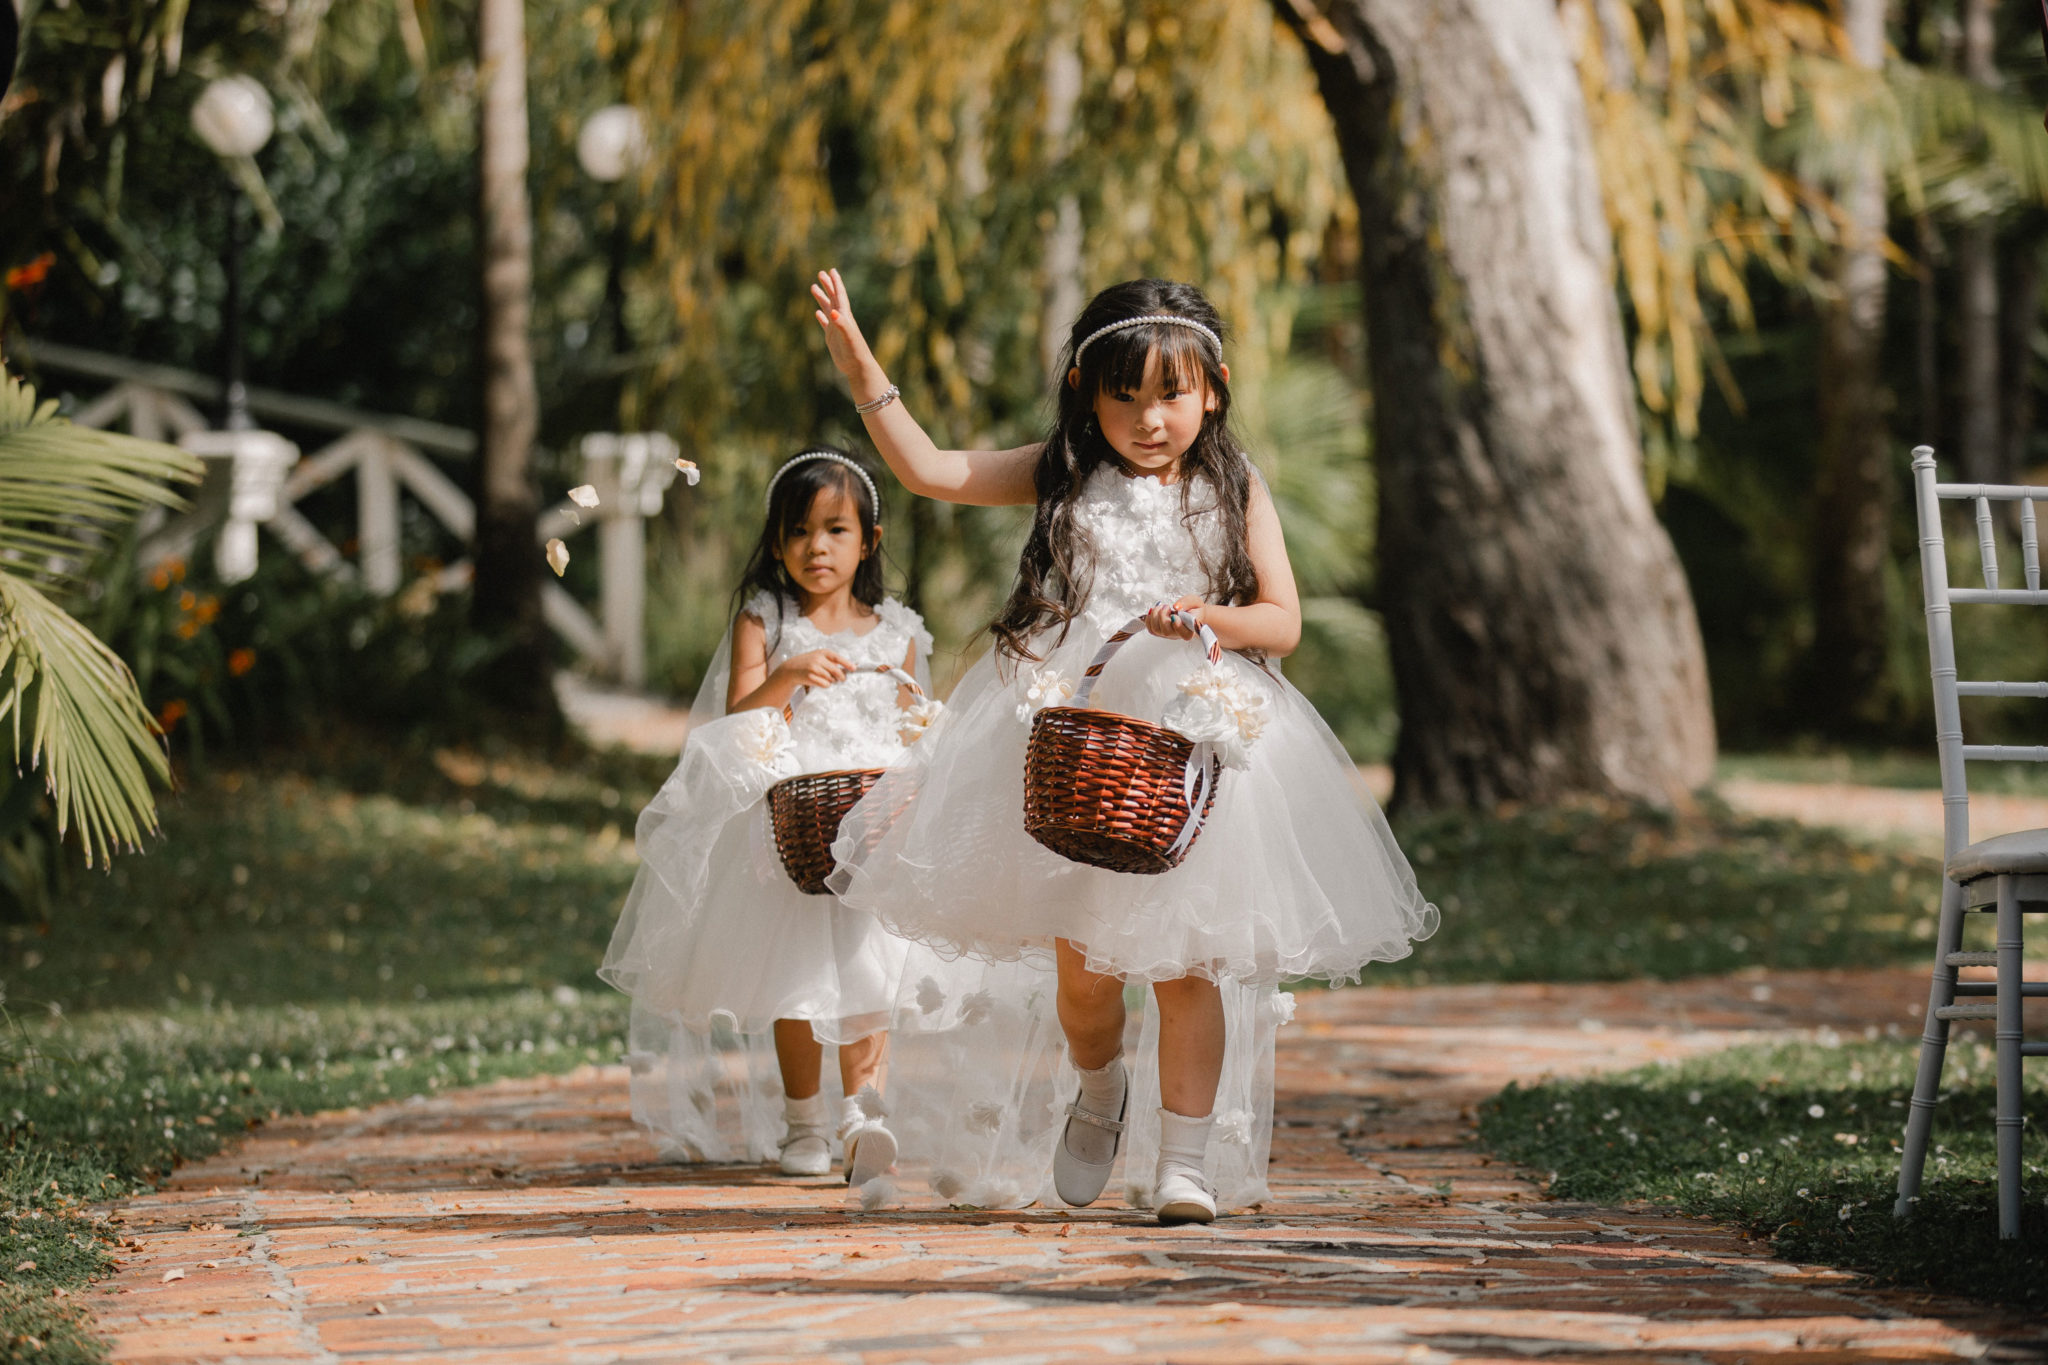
(361, 926)
(1599, 892)
(1799, 1143)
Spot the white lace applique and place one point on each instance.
(1144, 553)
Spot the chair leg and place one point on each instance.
(1941, 993)
(2009, 1032)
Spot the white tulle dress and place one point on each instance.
(715, 942)
(1294, 875)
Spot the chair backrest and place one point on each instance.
(1941, 642)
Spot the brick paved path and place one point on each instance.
(529, 1222)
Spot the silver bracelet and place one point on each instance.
(889, 395)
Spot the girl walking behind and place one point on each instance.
(1146, 507)
(714, 932)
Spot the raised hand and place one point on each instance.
(842, 334)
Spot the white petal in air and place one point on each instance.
(558, 557)
(690, 473)
(583, 495)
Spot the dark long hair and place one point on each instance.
(788, 505)
(1057, 568)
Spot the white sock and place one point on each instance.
(809, 1113)
(1102, 1092)
(1184, 1144)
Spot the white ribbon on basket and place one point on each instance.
(1198, 776)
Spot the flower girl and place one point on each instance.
(714, 932)
(1146, 508)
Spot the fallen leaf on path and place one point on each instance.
(26, 1265)
(376, 1310)
(170, 1275)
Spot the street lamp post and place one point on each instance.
(233, 117)
(611, 143)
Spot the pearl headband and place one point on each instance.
(874, 494)
(1143, 319)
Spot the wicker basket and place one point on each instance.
(1113, 791)
(805, 810)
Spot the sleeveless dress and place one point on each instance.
(715, 943)
(1294, 875)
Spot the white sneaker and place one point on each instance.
(1180, 1189)
(870, 1147)
(804, 1149)
(1183, 1196)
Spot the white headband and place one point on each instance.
(1141, 320)
(874, 495)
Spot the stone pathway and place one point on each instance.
(530, 1222)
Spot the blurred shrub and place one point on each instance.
(287, 655)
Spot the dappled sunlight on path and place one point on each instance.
(529, 1221)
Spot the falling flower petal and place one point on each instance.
(169, 1275)
(558, 557)
(690, 474)
(583, 495)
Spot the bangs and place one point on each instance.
(1184, 358)
(800, 487)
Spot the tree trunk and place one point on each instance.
(2019, 314)
(1543, 638)
(1979, 450)
(1845, 671)
(508, 563)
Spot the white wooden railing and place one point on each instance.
(256, 478)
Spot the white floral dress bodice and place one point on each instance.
(854, 723)
(1144, 552)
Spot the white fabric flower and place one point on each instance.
(1215, 708)
(1044, 687)
(976, 1007)
(918, 718)
(985, 1116)
(1234, 1127)
(1280, 1006)
(763, 739)
(930, 997)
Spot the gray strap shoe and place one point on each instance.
(1077, 1180)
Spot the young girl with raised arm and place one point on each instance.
(714, 931)
(1146, 507)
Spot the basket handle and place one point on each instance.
(1136, 626)
(889, 670)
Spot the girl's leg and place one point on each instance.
(864, 1062)
(1091, 1010)
(805, 1150)
(801, 1057)
(1190, 1044)
(1191, 1037)
(870, 1146)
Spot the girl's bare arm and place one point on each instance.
(1271, 623)
(983, 478)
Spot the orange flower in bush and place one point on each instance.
(240, 661)
(169, 572)
(34, 273)
(168, 718)
(207, 612)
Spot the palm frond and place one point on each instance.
(89, 731)
(61, 487)
(60, 484)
